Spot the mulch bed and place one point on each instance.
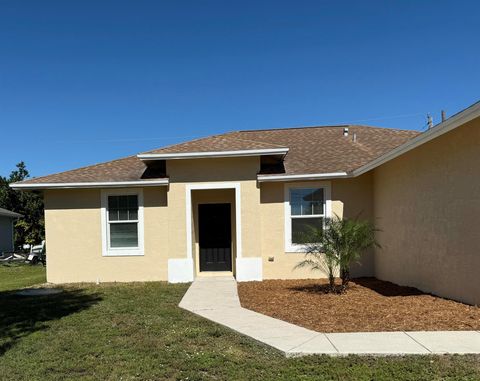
(369, 305)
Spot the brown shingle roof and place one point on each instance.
(127, 169)
(217, 143)
(311, 150)
(326, 150)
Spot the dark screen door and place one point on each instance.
(215, 237)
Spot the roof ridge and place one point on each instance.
(291, 128)
(271, 129)
(327, 126)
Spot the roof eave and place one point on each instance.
(212, 154)
(87, 185)
(304, 177)
(11, 214)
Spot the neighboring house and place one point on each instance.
(7, 219)
(232, 203)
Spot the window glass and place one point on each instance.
(306, 201)
(300, 226)
(123, 208)
(124, 235)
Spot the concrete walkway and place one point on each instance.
(217, 299)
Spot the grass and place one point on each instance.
(17, 275)
(137, 332)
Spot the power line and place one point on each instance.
(384, 118)
(143, 139)
(126, 140)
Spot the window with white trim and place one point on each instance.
(306, 206)
(307, 209)
(122, 227)
(122, 218)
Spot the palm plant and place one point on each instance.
(336, 246)
(318, 255)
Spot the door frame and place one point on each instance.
(189, 216)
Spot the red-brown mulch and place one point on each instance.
(369, 305)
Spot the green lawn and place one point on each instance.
(137, 332)
(17, 275)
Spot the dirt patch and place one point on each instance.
(369, 305)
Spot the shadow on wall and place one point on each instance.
(73, 199)
(21, 316)
(385, 288)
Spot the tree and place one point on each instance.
(30, 228)
(337, 245)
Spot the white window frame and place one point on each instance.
(327, 194)
(108, 251)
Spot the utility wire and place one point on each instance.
(135, 139)
(126, 140)
(384, 118)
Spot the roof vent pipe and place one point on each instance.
(429, 121)
(354, 137)
(444, 116)
(345, 131)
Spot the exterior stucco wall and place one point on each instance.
(427, 203)
(237, 170)
(74, 232)
(350, 198)
(74, 239)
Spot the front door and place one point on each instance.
(215, 237)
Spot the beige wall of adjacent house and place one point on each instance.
(350, 198)
(427, 203)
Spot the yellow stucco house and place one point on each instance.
(231, 203)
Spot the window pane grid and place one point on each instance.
(125, 222)
(309, 216)
(122, 208)
(301, 226)
(122, 218)
(124, 235)
(307, 209)
(307, 201)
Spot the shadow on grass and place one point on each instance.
(379, 286)
(23, 315)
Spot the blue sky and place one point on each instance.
(87, 81)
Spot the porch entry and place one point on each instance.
(215, 237)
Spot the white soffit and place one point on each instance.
(212, 154)
(312, 176)
(104, 184)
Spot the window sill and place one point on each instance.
(123, 253)
(295, 249)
